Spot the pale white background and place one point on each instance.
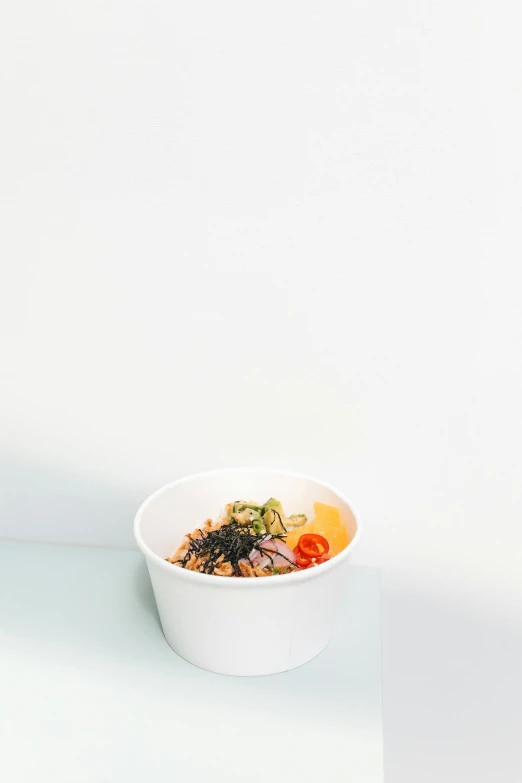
(285, 234)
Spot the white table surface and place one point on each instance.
(91, 692)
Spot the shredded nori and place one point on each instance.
(280, 520)
(232, 540)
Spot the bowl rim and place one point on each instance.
(214, 580)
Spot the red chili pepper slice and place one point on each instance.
(313, 545)
(322, 559)
(301, 561)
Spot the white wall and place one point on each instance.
(282, 233)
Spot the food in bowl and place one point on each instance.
(251, 540)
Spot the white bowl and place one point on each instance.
(241, 626)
